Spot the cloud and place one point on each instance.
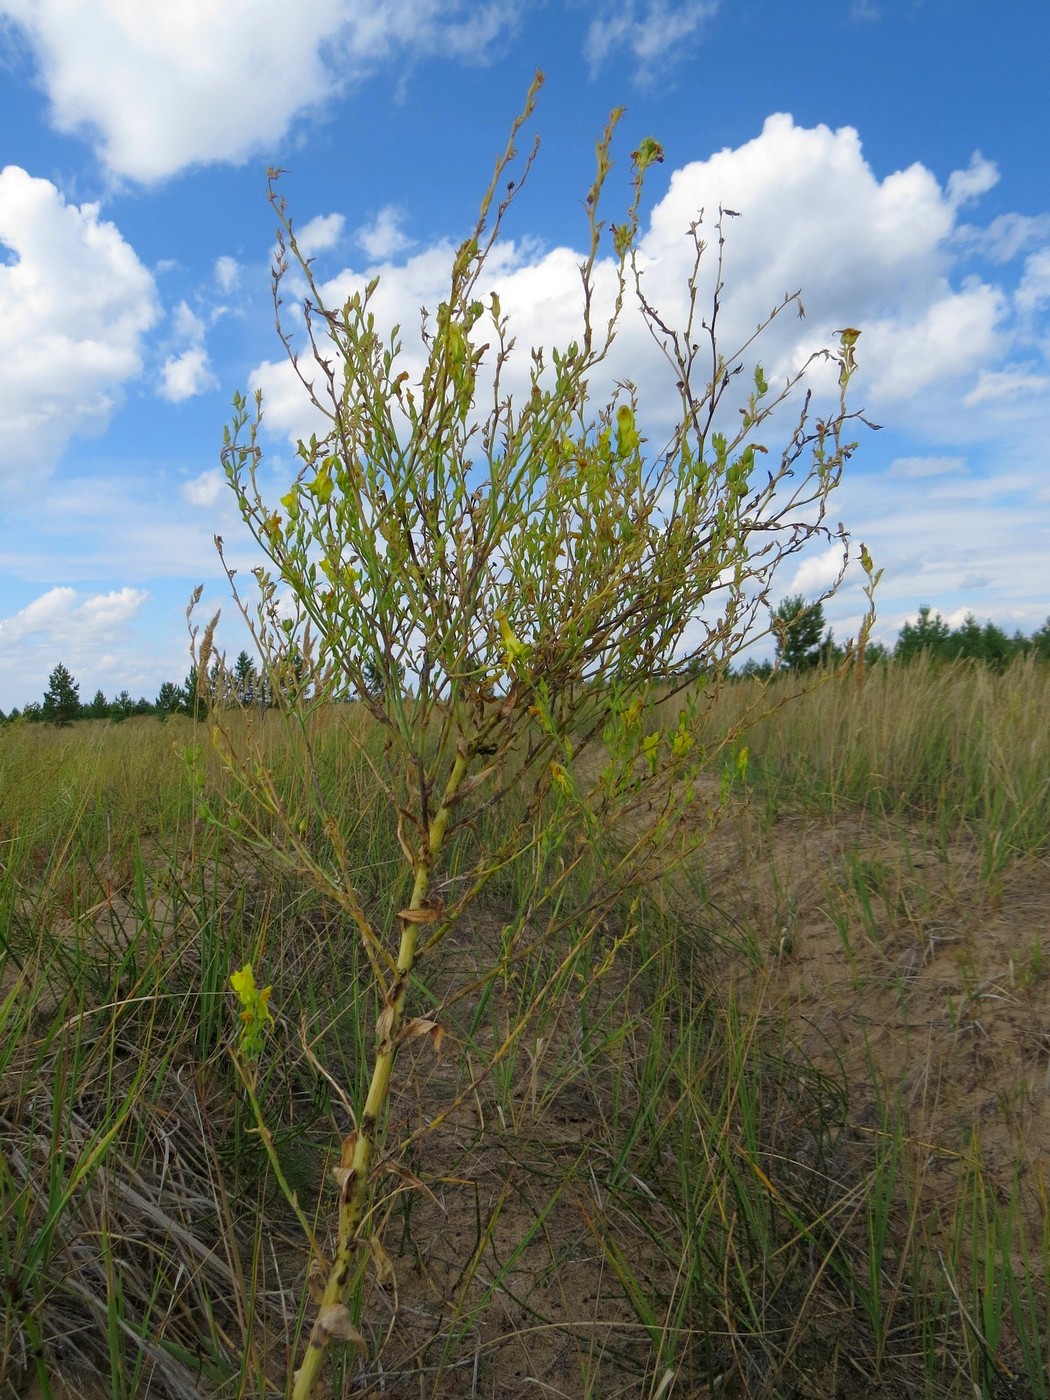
(964, 186)
(65, 618)
(1007, 384)
(187, 325)
(1034, 289)
(227, 272)
(650, 31)
(188, 83)
(946, 341)
(205, 489)
(1005, 237)
(960, 541)
(108, 641)
(382, 238)
(75, 303)
(816, 573)
(186, 375)
(877, 253)
(320, 233)
(914, 467)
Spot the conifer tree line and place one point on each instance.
(804, 642)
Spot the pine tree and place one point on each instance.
(62, 699)
(244, 679)
(123, 707)
(170, 700)
(926, 634)
(799, 631)
(98, 707)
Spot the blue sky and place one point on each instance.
(888, 157)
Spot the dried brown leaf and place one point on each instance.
(384, 1025)
(384, 1265)
(335, 1321)
(316, 1278)
(426, 914)
(419, 1025)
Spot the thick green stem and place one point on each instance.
(359, 1148)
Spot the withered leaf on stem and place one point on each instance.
(427, 914)
(384, 1025)
(334, 1321)
(316, 1277)
(418, 1026)
(384, 1265)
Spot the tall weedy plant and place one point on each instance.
(508, 588)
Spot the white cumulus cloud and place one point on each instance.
(65, 618)
(205, 489)
(187, 325)
(186, 375)
(157, 87)
(816, 573)
(978, 178)
(383, 238)
(75, 303)
(320, 233)
(99, 637)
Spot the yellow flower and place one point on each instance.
(243, 983)
(627, 438)
(683, 742)
(651, 749)
(255, 1015)
(633, 713)
(514, 648)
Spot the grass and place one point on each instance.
(958, 746)
(774, 1130)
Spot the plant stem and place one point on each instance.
(359, 1148)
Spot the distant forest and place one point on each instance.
(802, 642)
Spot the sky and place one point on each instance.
(886, 157)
